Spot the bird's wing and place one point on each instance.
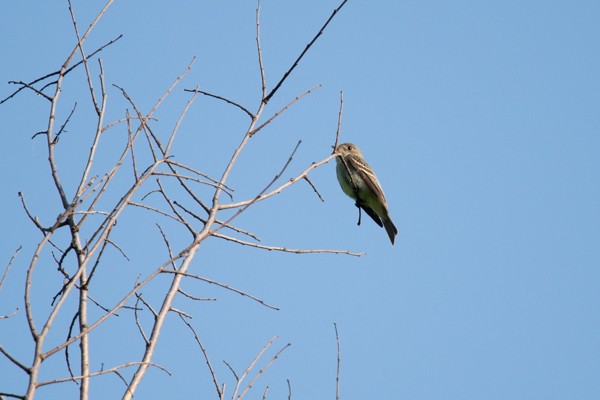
(368, 176)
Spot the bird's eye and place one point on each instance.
(350, 148)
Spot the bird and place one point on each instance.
(360, 183)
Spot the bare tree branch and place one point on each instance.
(62, 128)
(337, 375)
(278, 113)
(262, 371)
(233, 103)
(188, 168)
(31, 217)
(92, 206)
(250, 367)
(30, 84)
(19, 364)
(287, 250)
(103, 372)
(263, 79)
(308, 46)
(15, 396)
(100, 110)
(5, 274)
(189, 296)
(242, 209)
(314, 188)
(224, 286)
(206, 359)
(84, 59)
(339, 124)
(137, 320)
(278, 190)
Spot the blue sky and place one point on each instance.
(482, 122)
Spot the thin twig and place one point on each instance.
(339, 124)
(67, 355)
(100, 110)
(262, 371)
(205, 354)
(12, 314)
(153, 209)
(105, 213)
(100, 306)
(84, 59)
(62, 128)
(264, 397)
(167, 245)
(191, 297)
(187, 167)
(183, 113)
(9, 265)
(89, 189)
(251, 366)
(191, 178)
(148, 306)
(224, 286)
(232, 370)
(30, 84)
(14, 396)
(288, 105)
(130, 145)
(143, 122)
(295, 64)
(31, 217)
(337, 375)
(103, 372)
(286, 249)
(314, 188)
(263, 79)
(137, 320)
(19, 364)
(119, 249)
(98, 259)
(39, 134)
(121, 120)
(181, 313)
(233, 103)
(179, 216)
(203, 220)
(258, 197)
(277, 190)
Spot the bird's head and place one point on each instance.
(346, 149)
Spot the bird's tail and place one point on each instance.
(390, 228)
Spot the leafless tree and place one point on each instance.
(81, 232)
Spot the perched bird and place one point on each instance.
(358, 181)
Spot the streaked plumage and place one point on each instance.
(360, 183)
